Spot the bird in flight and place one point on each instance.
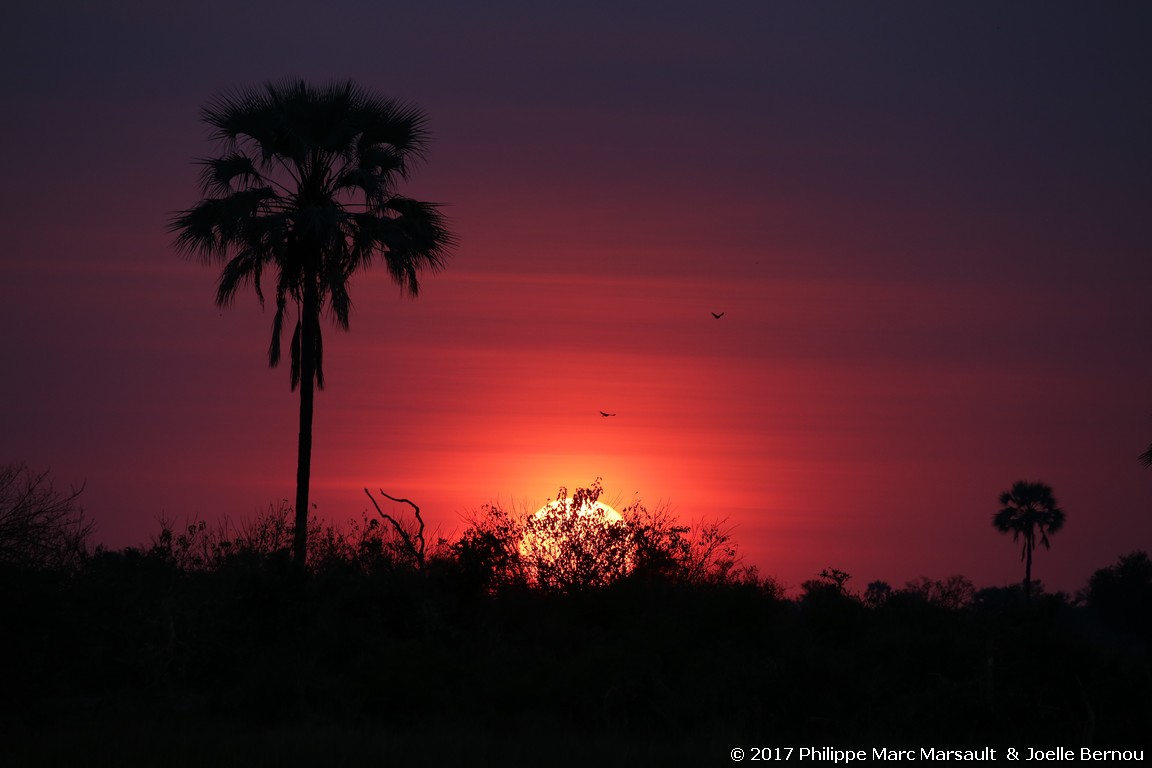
(606, 414)
(718, 316)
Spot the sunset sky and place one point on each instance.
(929, 226)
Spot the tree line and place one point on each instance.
(619, 633)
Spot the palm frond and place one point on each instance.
(336, 278)
(395, 123)
(215, 225)
(1146, 457)
(424, 227)
(277, 328)
(318, 336)
(415, 239)
(219, 173)
(245, 266)
(295, 374)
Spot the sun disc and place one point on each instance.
(574, 545)
(609, 514)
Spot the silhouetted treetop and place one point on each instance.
(40, 526)
(1029, 513)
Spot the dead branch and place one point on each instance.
(415, 548)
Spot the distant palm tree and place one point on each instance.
(1029, 512)
(1146, 457)
(305, 187)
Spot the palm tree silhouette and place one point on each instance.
(305, 186)
(1029, 510)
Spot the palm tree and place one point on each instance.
(1029, 511)
(304, 186)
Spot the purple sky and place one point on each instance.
(928, 225)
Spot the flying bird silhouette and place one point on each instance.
(606, 414)
(718, 316)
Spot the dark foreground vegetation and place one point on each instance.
(211, 647)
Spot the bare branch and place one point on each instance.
(39, 526)
(414, 548)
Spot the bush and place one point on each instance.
(573, 544)
(40, 527)
(954, 592)
(1121, 595)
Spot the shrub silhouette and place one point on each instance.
(40, 527)
(877, 594)
(831, 581)
(573, 544)
(953, 592)
(684, 648)
(1121, 595)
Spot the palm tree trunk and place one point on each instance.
(1029, 544)
(309, 321)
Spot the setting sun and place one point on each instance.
(606, 511)
(576, 541)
